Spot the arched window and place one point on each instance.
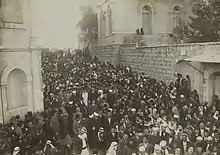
(101, 24)
(104, 23)
(147, 19)
(109, 20)
(17, 90)
(176, 16)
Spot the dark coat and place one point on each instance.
(111, 99)
(129, 150)
(121, 147)
(93, 126)
(107, 124)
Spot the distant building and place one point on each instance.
(118, 20)
(20, 61)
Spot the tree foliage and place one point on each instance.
(88, 24)
(204, 24)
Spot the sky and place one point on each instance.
(55, 22)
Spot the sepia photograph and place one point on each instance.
(109, 77)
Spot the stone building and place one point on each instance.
(20, 60)
(201, 61)
(160, 57)
(118, 20)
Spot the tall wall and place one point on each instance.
(160, 62)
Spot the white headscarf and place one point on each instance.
(112, 149)
(48, 143)
(16, 150)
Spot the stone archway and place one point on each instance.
(195, 72)
(182, 67)
(211, 82)
(15, 88)
(214, 85)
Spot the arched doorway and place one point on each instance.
(182, 67)
(176, 16)
(16, 94)
(147, 19)
(109, 21)
(214, 85)
(194, 70)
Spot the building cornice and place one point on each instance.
(14, 49)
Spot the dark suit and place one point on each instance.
(111, 99)
(184, 148)
(206, 145)
(164, 136)
(111, 138)
(149, 148)
(155, 139)
(121, 147)
(137, 140)
(93, 126)
(107, 123)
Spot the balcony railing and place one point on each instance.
(126, 38)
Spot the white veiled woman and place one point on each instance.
(112, 149)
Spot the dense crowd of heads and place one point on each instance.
(106, 109)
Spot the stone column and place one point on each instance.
(36, 79)
(3, 101)
(205, 90)
(99, 22)
(107, 22)
(30, 99)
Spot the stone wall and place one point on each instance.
(158, 61)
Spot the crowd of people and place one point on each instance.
(94, 107)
